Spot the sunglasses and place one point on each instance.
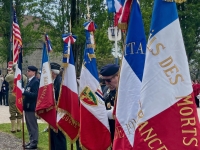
(108, 80)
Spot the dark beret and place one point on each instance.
(109, 70)
(55, 66)
(32, 68)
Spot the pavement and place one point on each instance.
(4, 117)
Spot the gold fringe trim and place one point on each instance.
(73, 122)
(55, 130)
(91, 46)
(45, 110)
(91, 56)
(66, 55)
(180, 1)
(65, 65)
(122, 26)
(177, 1)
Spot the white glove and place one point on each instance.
(110, 113)
(22, 90)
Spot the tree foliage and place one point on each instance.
(53, 17)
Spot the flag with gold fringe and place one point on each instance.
(94, 127)
(68, 116)
(168, 117)
(46, 107)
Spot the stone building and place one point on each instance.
(35, 58)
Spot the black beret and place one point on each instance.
(55, 66)
(109, 70)
(32, 68)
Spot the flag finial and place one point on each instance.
(88, 9)
(70, 25)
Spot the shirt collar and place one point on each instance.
(30, 78)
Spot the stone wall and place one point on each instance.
(34, 59)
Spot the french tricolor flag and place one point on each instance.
(130, 82)
(45, 107)
(114, 6)
(94, 127)
(18, 84)
(68, 117)
(167, 119)
(48, 43)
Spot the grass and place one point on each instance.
(43, 143)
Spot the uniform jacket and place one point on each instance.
(4, 87)
(57, 83)
(31, 93)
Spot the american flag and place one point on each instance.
(17, 40)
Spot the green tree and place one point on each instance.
(56, 15)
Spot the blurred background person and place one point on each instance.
(58, 140)
(4, 90)
(1, 94)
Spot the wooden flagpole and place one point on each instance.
(23, 139)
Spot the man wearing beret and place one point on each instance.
(29, 104)
(58, 140)
(14, 113)
(109, 74)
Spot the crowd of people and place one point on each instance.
(109, 77)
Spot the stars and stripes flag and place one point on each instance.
(168, 116)
(46, 107)
(68, 117)
(94, 127)
(48, 43)
(130, 81)
(18, 84)
(17, 40)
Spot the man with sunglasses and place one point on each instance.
(109, 74)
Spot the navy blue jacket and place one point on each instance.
(31, 93)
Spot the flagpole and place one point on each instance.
(70, 30)
(23, 139)
(116, 58)
(49, 137)
(11, 21)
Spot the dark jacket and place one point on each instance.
(31, 93)
(4, 87)
(56, 84)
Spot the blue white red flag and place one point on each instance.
(122, 2)
(94, 127)
(124, 17)
(168, 116)
(69, 38)
(114, 6)
(48, 43)
(17, 40)
(130, 81)
(68, 117)
(46, 107)
(18, 81)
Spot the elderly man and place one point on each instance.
(58, 140)
(109, 74)
(29, 103)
